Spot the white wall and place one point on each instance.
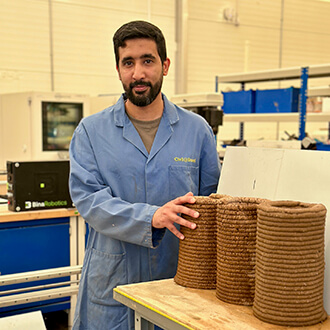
(81, 34)
(267, 34)
(220, 47)
(77, 39)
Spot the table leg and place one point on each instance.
(73, 262)
(141, 323)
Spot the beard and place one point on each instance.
(142, 99)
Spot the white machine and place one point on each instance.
(208, 105)
(102, 101)
(39, 125)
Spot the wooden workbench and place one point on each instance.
(172, 306)
(9, 216)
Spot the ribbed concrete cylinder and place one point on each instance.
(290, 263)
(197, 252)
(236, 241)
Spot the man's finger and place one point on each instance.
(188, 198)
(187, 211)
(183, 222)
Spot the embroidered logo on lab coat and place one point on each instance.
(184, 159)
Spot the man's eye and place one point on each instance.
(128, 63)
(148, 61)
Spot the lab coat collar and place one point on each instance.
(170, 117)
(170, 111)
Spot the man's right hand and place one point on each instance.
(168, 214)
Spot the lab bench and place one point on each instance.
(39, 240)
(175, 307)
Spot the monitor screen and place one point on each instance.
(59, 120)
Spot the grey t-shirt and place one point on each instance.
(147, 130)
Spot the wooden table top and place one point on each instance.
(9, 216)
(198, 309)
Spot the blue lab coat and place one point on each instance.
(117, 187)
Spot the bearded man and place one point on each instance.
(130, 177)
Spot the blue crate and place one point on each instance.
(239, 102)
(322, 146)
(277, 100)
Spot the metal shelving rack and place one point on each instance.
(302, 73)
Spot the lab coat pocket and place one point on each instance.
(183, 179)
(106, 271)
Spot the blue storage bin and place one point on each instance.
(239, 102)
(277, 100)
(322, 146)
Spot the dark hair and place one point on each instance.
(139, 29)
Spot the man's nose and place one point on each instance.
(139, 72)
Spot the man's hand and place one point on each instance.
(167, 215)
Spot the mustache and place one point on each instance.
(139, 83)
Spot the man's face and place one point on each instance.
(141, 71)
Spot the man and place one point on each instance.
(133, 166)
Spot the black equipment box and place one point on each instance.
(38, 185)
